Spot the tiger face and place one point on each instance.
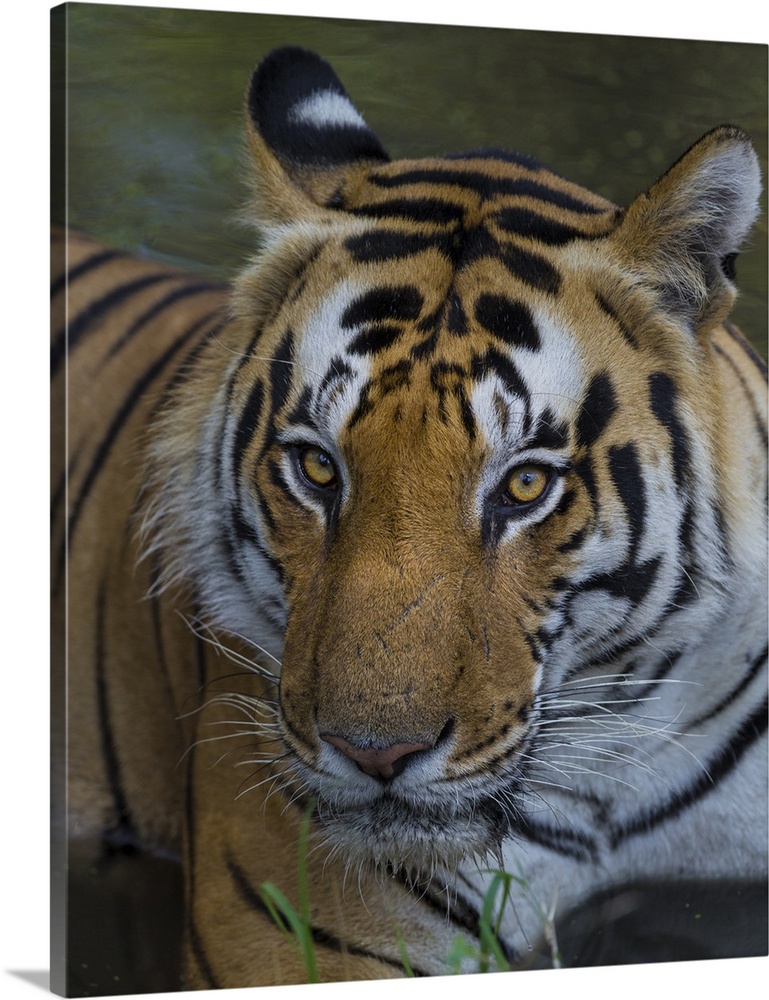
(462, 454)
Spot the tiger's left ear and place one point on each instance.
(307, 138)
(683, 234)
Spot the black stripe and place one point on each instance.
(432, 321)
(278, 480)
(383, 305)
(248, 423)
(584, 469)
(245, 359)
(569, 843)
(663, 399)
(426, 348)
(375, 338)
(302, 413)
(467, 414)
(529, 267)
(199, 954)
(431, 210)
(755, 668)
(532, 225)
(186, 291)
(116, 425)
(503, 155)
(190, 808)
(264, 509)
(616, 653)
(337, 371)
(320, 936)
(630, 580)
(108, 745)
(186, 368)
(495, 362)
(59, 496)
(664, 668)
(534, 644)
(79, 325)
(364, 407)
(508, 320)
(280, 374)
(486, 186)
(625, 471)
(598, 408)
(752, 729)
(448, 379)
(566, 502)
(575, 540)
(758, 418)
(241, 531)
(456, 317)
(89, 264)
(686, 592)
(747, 347)
(610, 312)
(548, 432)
(460, 910)
(394, 377)
(525, 265)
(379, 245)
(280, 382)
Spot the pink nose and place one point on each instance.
(384, 764)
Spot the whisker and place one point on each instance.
(206, 634)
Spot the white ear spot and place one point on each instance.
(326, 108)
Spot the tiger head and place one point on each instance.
(463, 451)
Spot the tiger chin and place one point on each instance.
(444, 526)
(411, 827)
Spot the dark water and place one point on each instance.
(155, 97)
(126, 923)
(154, 162)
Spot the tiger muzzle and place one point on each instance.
(377, 670)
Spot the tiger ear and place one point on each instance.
(306, 136)
(685, 231)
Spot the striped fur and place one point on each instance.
(449, 519)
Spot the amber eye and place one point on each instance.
(317, 468)
(526, 484)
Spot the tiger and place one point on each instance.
(432, 547)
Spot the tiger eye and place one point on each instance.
(527, 483)
(318, 468)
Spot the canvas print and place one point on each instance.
(409, 500)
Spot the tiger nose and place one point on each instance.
(384, 764)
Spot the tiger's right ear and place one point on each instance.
(683, 234)
(307, 138)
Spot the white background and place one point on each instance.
(24, 479)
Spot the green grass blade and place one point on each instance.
(295, 926)
(405, 961)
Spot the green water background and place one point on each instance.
(153, 101)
